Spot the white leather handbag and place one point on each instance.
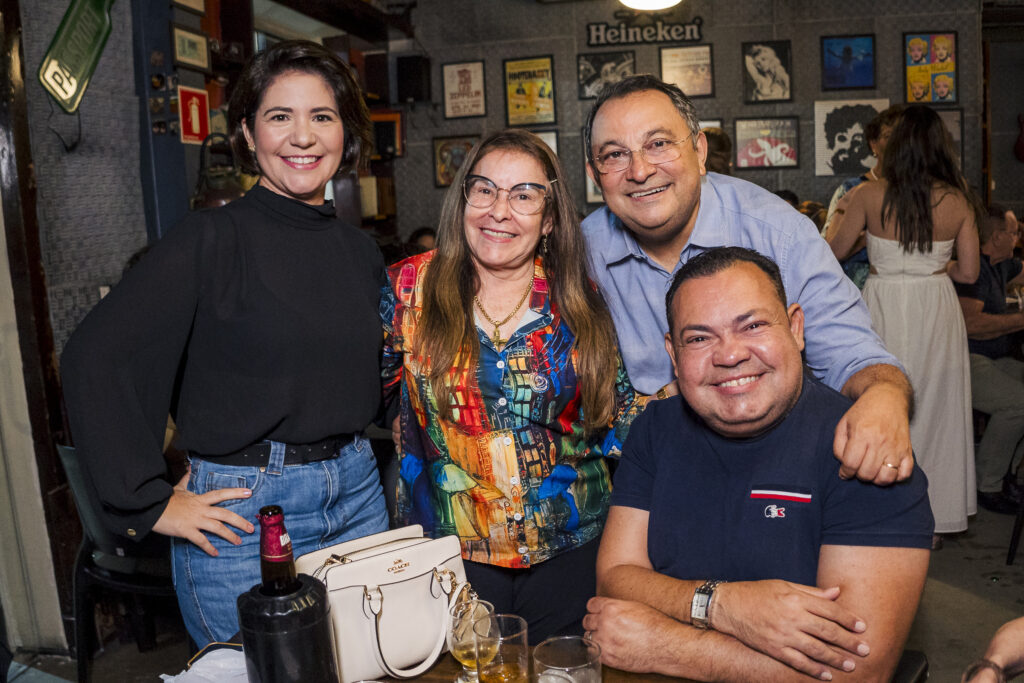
(389, 595)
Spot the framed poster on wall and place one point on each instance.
(449, 155)
(953, 119)
(691, 68)
(930, 73)
(550, 138)
(191, 49)
(770, 141)
(767, 66)
(591, 191)
(847, 62)
(598, 69)
(464, 91)
(840, 141)
(529, 91)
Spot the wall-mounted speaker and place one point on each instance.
(413, 77)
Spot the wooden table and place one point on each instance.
(447, 669)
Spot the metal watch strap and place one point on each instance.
(700, 606)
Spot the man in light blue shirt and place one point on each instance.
(646, 152)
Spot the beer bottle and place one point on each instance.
(277, 566)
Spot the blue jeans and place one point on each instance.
(324, 503)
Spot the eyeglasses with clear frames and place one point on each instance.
(656, 151)
(525, 198)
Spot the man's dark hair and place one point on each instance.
(886, 117)
(993, 222)
(634, 84)
(843, 118)
(788, 196)
(715, 261)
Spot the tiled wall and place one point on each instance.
(462, 30)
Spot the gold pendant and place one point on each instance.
(496, 339)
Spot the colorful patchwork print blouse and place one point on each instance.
(512, 473)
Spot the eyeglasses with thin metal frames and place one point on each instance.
(648, 152)
(524, 207)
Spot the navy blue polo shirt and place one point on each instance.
(990, 288)
(760, 508)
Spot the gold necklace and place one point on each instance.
(496, 339)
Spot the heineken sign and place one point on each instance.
(603, 33)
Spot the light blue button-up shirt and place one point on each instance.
(733, 212)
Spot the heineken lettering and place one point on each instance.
(603, 33)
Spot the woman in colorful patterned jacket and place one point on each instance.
(512, 389)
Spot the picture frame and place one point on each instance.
(767, 65)
(710, 123)
(550, 138)
(591, 192)
(191, 49)
(529, 91)
(388, 134)
(953, 119)
(449, 155)
(767, 142)
(840, 140)
(690, 67)
(594, 70)
(848, 62)
(195, 6)
(930, 73)
(464, 90)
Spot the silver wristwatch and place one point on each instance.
(700, 607)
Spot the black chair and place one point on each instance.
(913, 668)
(104, 560)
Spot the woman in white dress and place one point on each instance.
(915, 216)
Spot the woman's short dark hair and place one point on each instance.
(311, 58)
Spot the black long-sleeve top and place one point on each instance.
(268, 307)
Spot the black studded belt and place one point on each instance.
(258, 454)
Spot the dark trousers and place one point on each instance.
(551, 596)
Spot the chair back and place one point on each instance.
(108, 550)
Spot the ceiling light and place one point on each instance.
(649, 4)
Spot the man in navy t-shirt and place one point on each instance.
(733, 550)
(997, 378)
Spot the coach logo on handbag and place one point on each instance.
(398, 566)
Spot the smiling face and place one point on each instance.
(657, 203)
(736, 350)
(298, 136)
(500, 239)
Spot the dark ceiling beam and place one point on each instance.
(352, 16)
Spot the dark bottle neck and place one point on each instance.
(277, 566)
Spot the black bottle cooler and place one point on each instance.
(287, 638)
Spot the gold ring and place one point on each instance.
(889, 464)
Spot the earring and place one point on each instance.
(544, 245)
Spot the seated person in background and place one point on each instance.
(1004, 657)
(997, 379)
(422, 239)
(738, 484)
(815, 211)
(719, 151)
(789, 196)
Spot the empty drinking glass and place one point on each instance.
(567, 659)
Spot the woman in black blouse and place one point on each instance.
(257, 325)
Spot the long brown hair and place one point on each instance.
(918, 155)
(447, 334)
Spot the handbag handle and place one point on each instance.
(421, 668)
